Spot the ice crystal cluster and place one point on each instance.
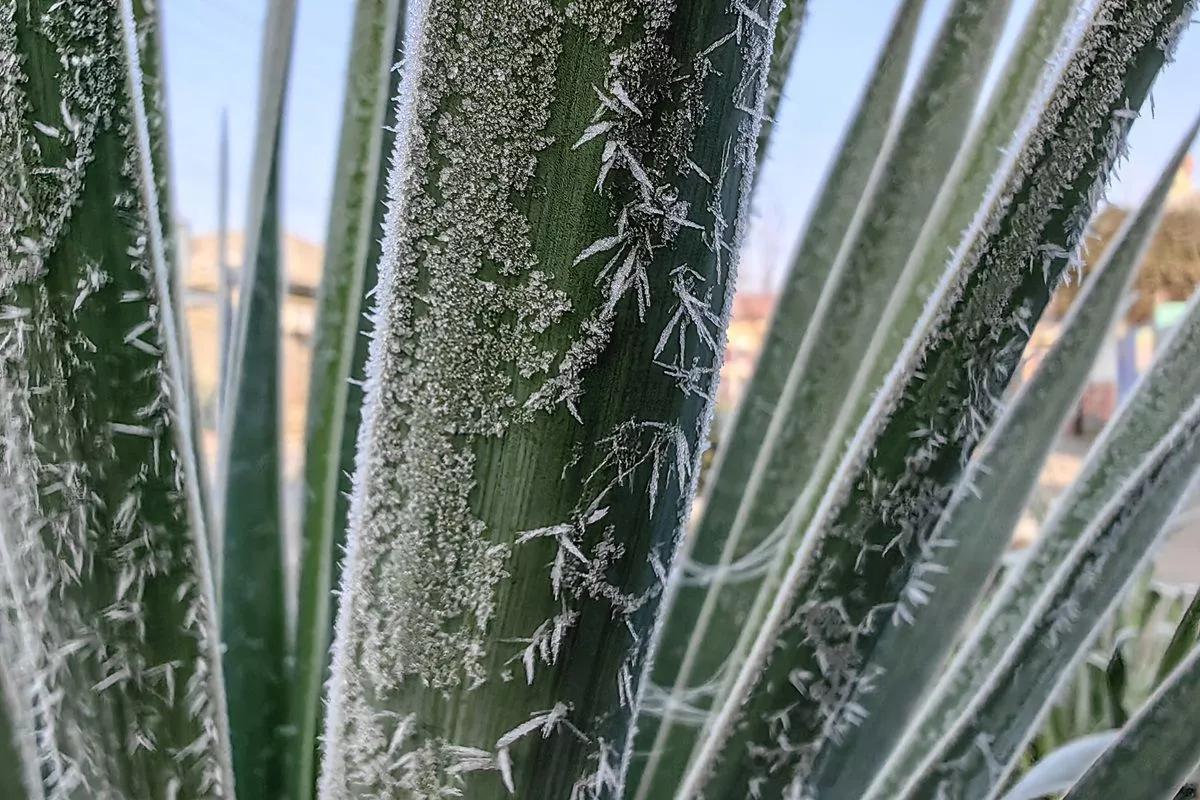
(105, 592)
(503, 347)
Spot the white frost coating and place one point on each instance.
(1082, 101)
(429, 389)
(97, 495)
(422, 567)
(1159, 395)
(1093, 312)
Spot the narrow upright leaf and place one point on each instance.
(106, 555)
(794, 692)
(533, 420)
(976, 527)
(1182, 640)
(1031, 65)
(1159, 398)
(251, 586)
(978, 753)
(834, 209)
(352, 253)
(146, 15)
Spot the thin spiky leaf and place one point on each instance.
(793, 692)
(1183, 639)
(834, 209)
(976, 527)
(1158, 399)
(147, 16)
(251, 585)
(1033, 63)
(977, 754)
(352, 252)
(1157, 750)
(105, 551)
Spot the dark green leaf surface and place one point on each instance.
(251, 586)
(565, 203)
(105, 546)
(989, 500)
(686, 625)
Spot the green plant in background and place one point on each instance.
(1152, 630)
(561, 188)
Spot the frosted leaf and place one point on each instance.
(477, 342)
(101, 510)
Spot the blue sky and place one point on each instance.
(212, 68)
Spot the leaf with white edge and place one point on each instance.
(1034, 62)
(839, 197)
(105, 550)
(512, 388)
(251, 585)
(1157, 400)
(978, 753)
(793, 693)
(1057, 771)
(976, 527)
(352, 252)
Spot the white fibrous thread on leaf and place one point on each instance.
(1007, 237)
(93, 494)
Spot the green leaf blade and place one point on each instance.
(893, 486)
(1067, 615)
(353, 250)
(1157, 750)
(1158, 399)
(106, 551)
(835, 207)
(254, 623)
(526, 406)
(989, 500)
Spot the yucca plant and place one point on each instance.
(529, 269)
